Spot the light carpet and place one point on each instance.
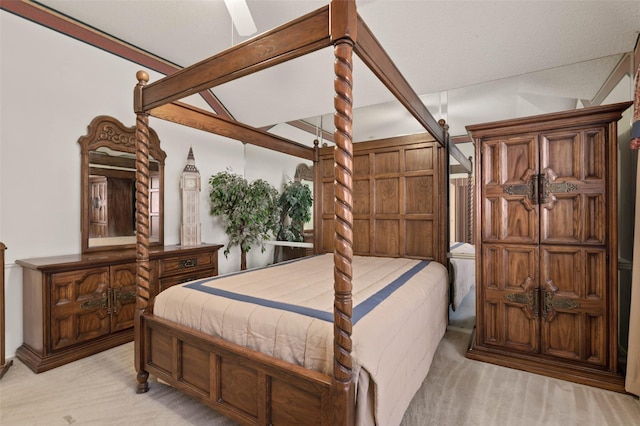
(100, 390)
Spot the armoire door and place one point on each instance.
(572, 187)
(508, 184)
(508, 313)
(573, 303)
(573, 256)
(509, 294)
(98, 207)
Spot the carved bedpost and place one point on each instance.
(445, 167)
(343, 34)
(143, 274)
(317, 206)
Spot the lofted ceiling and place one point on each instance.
(470, 61)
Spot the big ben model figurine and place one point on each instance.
(190, 186)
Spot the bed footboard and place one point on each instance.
(245, 385)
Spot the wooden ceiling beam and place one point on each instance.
(188, 115)
(308, 127)
(460, 139)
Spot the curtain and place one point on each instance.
(632, 383)
(462, 196)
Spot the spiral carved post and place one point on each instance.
(444, 183)
(343, 252)
(343, 34)
(143, 274)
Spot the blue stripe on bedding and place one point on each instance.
(455, 246)
(359, 311)
(367, 306)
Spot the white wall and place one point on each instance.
(51, 88)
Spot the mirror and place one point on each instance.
(304, 174)
(108, 173)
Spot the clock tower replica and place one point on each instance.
(190, 187)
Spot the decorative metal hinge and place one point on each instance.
(539, 188)
(521, 189)
(551, 303)
(529, 299)
(111, 300)
(549, 188)
(120, 299)
(528, 189)
(104, 302)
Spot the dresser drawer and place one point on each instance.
(183, 278)
(183, 264)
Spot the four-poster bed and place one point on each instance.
(244, 383)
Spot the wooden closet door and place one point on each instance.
(509, 175)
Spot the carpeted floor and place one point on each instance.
(464, 316)
(459, 391)
(99, 390)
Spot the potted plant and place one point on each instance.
(249, 210)
(295, 203)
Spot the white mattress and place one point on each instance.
(286, 311)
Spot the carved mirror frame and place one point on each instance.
(109, 133)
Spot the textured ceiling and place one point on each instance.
(471, 61)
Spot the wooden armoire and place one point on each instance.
(547, 245)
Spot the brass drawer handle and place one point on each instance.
(188, 263)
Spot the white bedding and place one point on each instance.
(462, 257)
(393, 344)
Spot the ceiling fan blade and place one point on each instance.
(241, 17)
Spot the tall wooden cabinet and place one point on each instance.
(547, 245)
(78, 305)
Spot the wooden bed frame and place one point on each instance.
(243, 384)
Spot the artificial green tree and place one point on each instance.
(295, 203)
(249, 210)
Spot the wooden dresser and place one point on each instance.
(78, 305)
(547, 245)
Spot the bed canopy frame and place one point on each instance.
(337, 25)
